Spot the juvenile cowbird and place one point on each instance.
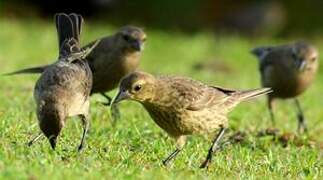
(64, 87)
(182, 106)
(114, 57)
(289, 70)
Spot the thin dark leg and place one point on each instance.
(270, 108)
(108, 98)
(85, 123)
(31, 142)
(300, 116)
(171, 157)
(213, 148)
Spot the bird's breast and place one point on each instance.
(286, 84)
(108, 73)
(178, 122)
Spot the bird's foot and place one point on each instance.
(80, 148)
(29, 143)
(302, 127)
(166, 162)
(206, 163)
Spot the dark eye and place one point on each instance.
(137, 88)
(126, 37)
(313, 59)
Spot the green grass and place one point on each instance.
(134, 148)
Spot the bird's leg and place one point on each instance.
(36, 138)
(85, 123)
(108, 98)
(213, 148)
(270, 108)
(180, 142)
(301, 120)
(171, 157)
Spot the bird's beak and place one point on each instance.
(52, 141)
(137, 45)
(122, 95)
(302, 65)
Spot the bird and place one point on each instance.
(63, 88)
(289, 69)
(182, 106)
(112, 58)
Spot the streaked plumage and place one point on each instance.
(182, 106)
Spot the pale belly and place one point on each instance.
(79, 105)
(188, 122)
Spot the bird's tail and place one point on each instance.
(68, 31)
(250, 94)
(32, 70)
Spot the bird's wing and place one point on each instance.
(209, 97)
(194, 95)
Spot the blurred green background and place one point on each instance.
(251, 17)
(208, 40)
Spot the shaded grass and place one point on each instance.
(134, 148)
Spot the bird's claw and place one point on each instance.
(80, 148)
(302, 128)
(205, 164)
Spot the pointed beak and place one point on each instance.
(137, 45)
(122, 95)
(52, 141)
(302, 65)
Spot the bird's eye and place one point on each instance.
(313, 59)
(137, 88)
(144, 39)
(126, 37)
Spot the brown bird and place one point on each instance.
(182, 106)
(64, 87)
(289, 70)
(114, 57)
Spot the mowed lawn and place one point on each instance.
(135, 147)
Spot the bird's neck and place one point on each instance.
(161, 96)
(130, 61)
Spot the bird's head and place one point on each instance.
(137, 86)
(131, 38)
(305, 56)
(50, 126)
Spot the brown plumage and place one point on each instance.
(289, 70)
(114, 57)
(182, 106)
(64, 87)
